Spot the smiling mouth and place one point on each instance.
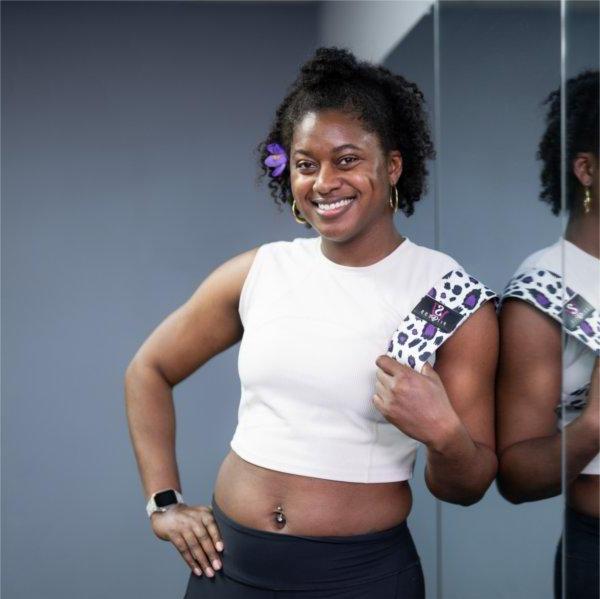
(332, 206)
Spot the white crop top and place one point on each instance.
(312, 332)
(542, 281)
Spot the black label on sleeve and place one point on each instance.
(574, 311)
(437, 314)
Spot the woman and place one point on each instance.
(536, 374)
(314, 496)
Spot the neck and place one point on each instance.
(366, 248)
(582, 230)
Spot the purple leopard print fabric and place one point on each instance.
(436, 317)
(544, 290)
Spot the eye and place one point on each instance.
(303, 164)
(348, 160)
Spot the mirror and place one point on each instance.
(497, 62)
(576, 567)
(492, 65)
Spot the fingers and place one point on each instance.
(195, 534)
(379, 403)
(387, 380)
(387, 364)
(393, 367)
(206, 540)
(197, 545)
(429, 371)
(182, 546)
(381, 391)
(387, 387)
(397, 382)
(213, 531)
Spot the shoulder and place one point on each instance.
(548, 257)
(426, 266)
(272, 267)
(289, 256)
(454, 284)
(451, 285)
(279, 249)
(429, 272)
(537, 280)
(435, 259)
(227, 279)
(296, 247)
(531, 302)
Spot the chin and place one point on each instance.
(337, 234)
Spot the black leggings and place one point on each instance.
(258, 564)
(582, 554)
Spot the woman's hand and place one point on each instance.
(414, 402)
(193, 531)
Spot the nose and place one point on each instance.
(326, 181)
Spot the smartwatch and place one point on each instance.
(162, 500)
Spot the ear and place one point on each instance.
(584, 167)
(394, 166)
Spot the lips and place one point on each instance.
(332, 201)
(325, 210)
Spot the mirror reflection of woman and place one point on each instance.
(314, 495)
(539, 381)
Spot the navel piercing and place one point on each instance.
(280, 518)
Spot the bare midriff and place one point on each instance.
(584, 495)
(275, 501)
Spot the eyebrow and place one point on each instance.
(336, 149)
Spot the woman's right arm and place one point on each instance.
(528, 388)
(205, 325)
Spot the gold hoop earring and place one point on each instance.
(587, 201)
(297, 215)
(394, 201)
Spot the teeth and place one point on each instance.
(326, 207)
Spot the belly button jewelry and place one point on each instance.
(280, 518)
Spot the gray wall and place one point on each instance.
(128, 175)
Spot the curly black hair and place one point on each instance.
(387, 105)
(581, 136)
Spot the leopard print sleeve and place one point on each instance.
(544, 290)
(437, 315)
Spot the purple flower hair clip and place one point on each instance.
(277, 158)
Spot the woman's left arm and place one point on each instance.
(450, 408)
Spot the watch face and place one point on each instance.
(165, 498)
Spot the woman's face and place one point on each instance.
(334, 160)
